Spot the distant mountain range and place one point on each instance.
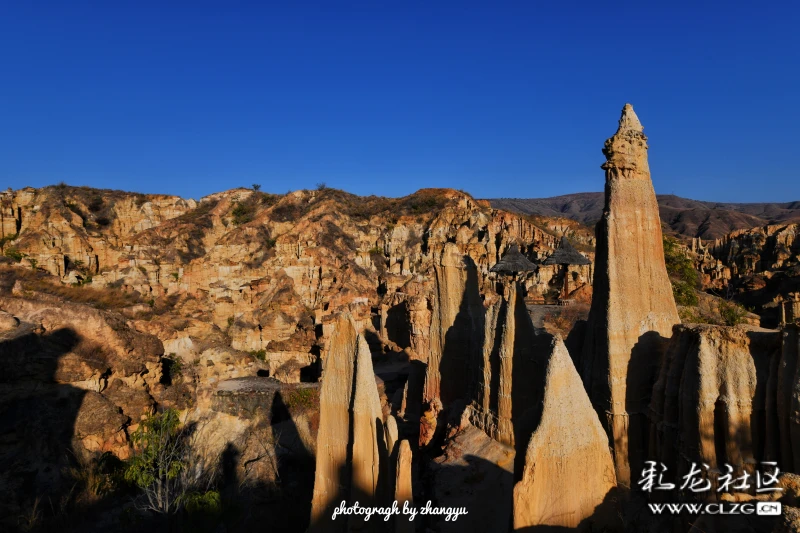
(681, 216)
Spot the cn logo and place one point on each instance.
(768, 508)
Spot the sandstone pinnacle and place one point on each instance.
(626, 150)
(629, 120)
(633, 309)
(350, 442)
(567, 449)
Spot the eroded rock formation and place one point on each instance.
(456, 325)
(633, 309)
(403, 493)
(503, 383)
(715, 399)
(568, 467)
(351, 447)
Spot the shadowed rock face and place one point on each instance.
(503, 386)
(568, 468)
(633, 307)
(788, 399)
(456, 325)
(351, 449)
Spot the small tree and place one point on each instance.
(256, 187)
(160, 458)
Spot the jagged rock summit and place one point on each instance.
(633, 309)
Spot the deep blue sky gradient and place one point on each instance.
(382, 97)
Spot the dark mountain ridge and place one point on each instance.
(681, 216)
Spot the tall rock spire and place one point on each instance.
(351, 447)
(633, 309)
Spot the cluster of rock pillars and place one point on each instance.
(573, 431)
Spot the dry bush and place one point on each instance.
(35, 281)
(562, 320)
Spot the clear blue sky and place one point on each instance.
(382, 97)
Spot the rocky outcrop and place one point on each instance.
(403, 492)
(788, 399)
(477, 473)
(503, 390)
(351, 448)
(456, 325)
(714, 401)
(633, 309)
(568, 470)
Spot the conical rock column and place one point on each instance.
(633, 309)
(568, 468)
(403, 492)
(347, 470)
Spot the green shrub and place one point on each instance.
(301, 398)
(203, 504)
(173, 366)
(261, 355)
(159, 459)
(731, 313)
(8, 238)
(684, 276)
(684, 293)
(14, 254)
(242, 213)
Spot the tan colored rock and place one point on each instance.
(568, 467)
(7, 321)
(789, 521)
(391, 451)
(633, 309)
(349, 405)
(403, 491)
(508, 351)
(477, 473)
(369, 458)
(99, 427)
(456, 320)
(110, 336)
(135, 403)
(711, 397)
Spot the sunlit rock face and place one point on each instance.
(568, 449)
(351, 445)
(633, 309)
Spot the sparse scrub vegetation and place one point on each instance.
(731, 313)
(261, 355)
(36, 281)
(7, 239)
(14, 254)
(683, 275)
(301, 398)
